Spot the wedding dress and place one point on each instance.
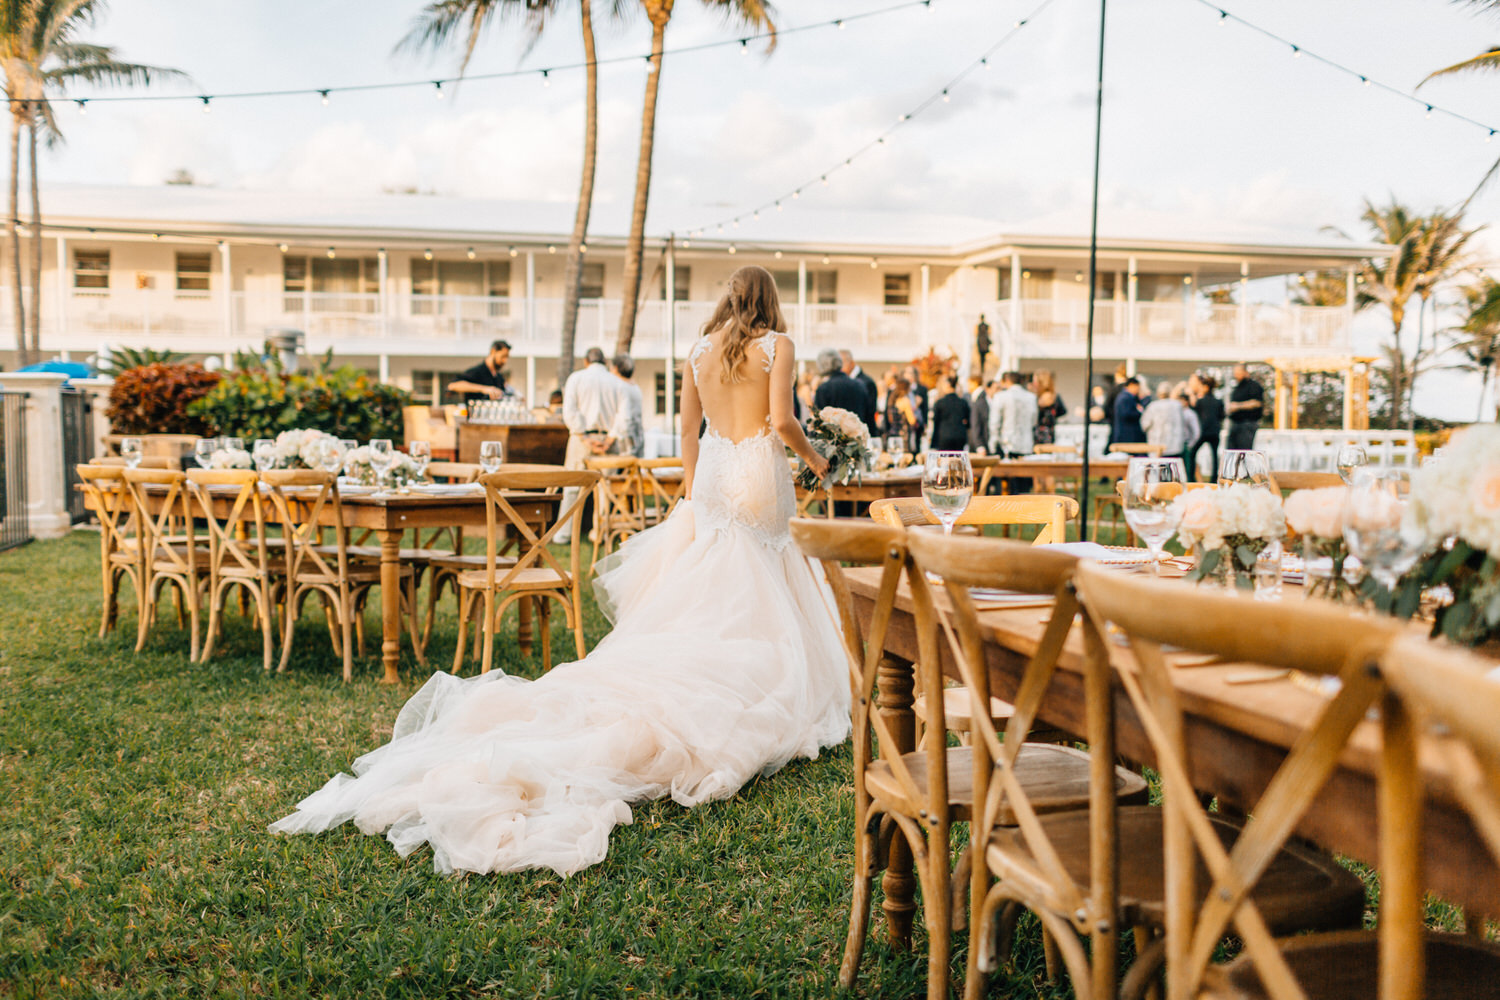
(724, 663)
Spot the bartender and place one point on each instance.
(485, 380)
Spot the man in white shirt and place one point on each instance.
(591, 401)
(627, 435)
(1162, 421)
(1013, 417)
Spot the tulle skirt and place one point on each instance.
(725, 662)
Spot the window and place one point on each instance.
(681, 281)
(1036, 283)
(898, 289)
(91, 269)
(591, 285)
(430, 387)
(340, 275)
(822, 286)
(192, 271)
(499, 281)
(661, 393)
(468, 278)
(786, 284)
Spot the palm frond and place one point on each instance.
(1487, 61)
(757, 14)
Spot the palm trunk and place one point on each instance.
(19, 305)
(36, 247)
(634, 246)
(1484, 388)
(573, 274)
(1416, 361)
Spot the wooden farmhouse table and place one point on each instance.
(1239, 735)
(390, 516)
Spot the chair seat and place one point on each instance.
(450, 560)
(407, 555)
(1055, 778)
(1303, 889)
(532, 578)
(1346, 964)
(360, 574)
(959, 713)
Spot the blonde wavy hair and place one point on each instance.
(748, 310)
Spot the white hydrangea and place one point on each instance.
(1318, 513)
(1458, 494)
(1207, 517)
(230, 458)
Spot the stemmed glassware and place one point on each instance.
(895, 446)
(330, 455)
(264, 454)
(382, 454)
(130, 450)
(232, 444)
(1251, 468)
(491, 455)
(420, 453)
(203, 451)
(1151, 484)
(1372, 514)
(947, 486)
(1349, 459)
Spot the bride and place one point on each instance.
(724, 661)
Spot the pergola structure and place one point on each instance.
(1356, 372)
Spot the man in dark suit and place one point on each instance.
(838, 389)
(1128, 407)
(857, 373)
(979, 420)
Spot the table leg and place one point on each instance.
(523, 626)
(390, 602)
(894, 680)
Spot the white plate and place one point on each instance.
(447, 489)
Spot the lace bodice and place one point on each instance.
(766, 342)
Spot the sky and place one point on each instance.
(1205, 121)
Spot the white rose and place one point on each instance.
(1319, 513)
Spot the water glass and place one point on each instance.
(947, 486)
(1348, 459)
(1373, 512)
(1151, 484)
(420, 453)
(203, 450)
(1251, 468)
(1267, 573)
(232, 444)
(130, 450)
(491, 455)
(330, 455)
(895, 446)
(264, 454)
(382, 454)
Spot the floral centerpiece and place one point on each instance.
(1455, 507)
(1318, 517)
(843, 439)
(1229, 528)
(360, 469)
(303, 449)
(230, 458)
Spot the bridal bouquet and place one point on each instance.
(230, 458)
(1229, 528)
(1455, 507)
(359, 468)
(1318, 516)
(843, 439)
(303, 449)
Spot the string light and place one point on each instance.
(731, 248)
(1364, 78)
(438, 86)
(83, 107)
(331, 253)
(551, 248)
(282, 247)
(470, 253)
(324, 95)
(207, 107)
(546, 80)
(583, 248)
(426, 254)
(513, 251)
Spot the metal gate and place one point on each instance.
(78, 447)
(14, 527)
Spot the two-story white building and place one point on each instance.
(415, 287)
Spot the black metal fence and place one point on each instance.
(14, 527)
(77, 446)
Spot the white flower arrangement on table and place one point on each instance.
(1455, 509)
(301, 449)
(359, 468)
(230, 458)
(841, 437)
(1230, 527)
(1318, 517)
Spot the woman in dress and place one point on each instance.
(724, 661)
(1049, 406)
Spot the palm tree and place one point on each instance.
(1440, 247)
(755, 14)
(40, 55)
(437, 23)
(1477, 339)
(1321, 288)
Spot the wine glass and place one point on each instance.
(1349, 458)
(330, 455)
(947, 486)
(1373, 510)
(203, 451)
(232, 444)
(491, 455)
(264, 454)
(130, 450)
(1251, 468)
(420, 453)
(1151, 484)
(382, 454)
(895, 446)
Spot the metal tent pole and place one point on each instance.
(1088, 368)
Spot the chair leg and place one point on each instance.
(111, 597)
(859, 913)
(287, 628)
(1050, 955)
(346, 628)
(578, 641)
(195, 603)
(487, 654)
(463, 627)
(263, 611)
(936, 910)
(146, 613)
(546, 627)
(215, 613)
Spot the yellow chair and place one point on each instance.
(240, 552)
(1050, 509)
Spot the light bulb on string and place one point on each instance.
(324, 95)
(825, 180)
(686, 244)
(438, 86)
(731, 248)
(426, 254)
(985, 62)
(1429, 111)
(470, 253)
(332, 253)
(755, 214)
(744, 46)
(282, 247)
(825, 258)
(839, 24)
(1296, 52)
(83, 107)
(874, 263)
(946, 98)
(796, 194)
(778, 254)
(583, 248)
(546, 80)
(1223, 17)
(207, 107)
(513, 251)
(551, 248)
(778, 206)
(736, 223)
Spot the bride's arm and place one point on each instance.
(692, 419)
(783, 413)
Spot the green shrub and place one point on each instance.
(159, 398)
(261, 402)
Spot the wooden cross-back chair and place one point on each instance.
(664, 496)
(146, 462)
(120, 548)
(168, 559)
(1259, 883)
(619, 501)
(1138, 448)
(343, 582)
(834, 543)
(444, 547)
(240, 552)
(1051, 510)
(1010, 785)
(535, 573)
(984, 472)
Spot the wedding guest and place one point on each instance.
(950, 418)
(901, 415)
(1116, 386)
(1098, 414)
(485, 380)
(1191, 429)
(979, 417)
(914, 378)
(838, 389)
(1049, 406)
(591, 400)
(1127, 414)
(857, 373)
(1162, 421)
(1210, 410)
(627, 435)
(1246, 404)
(1013, 415)
(982, 342)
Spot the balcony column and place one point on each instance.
(382, 286)
(531, 380)
(926, 303)
(1244, 318)
(1013, 335)
(62, 288)
(530, 320)
(1132, 320)
(226, 290)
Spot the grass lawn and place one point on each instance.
(134, 860)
